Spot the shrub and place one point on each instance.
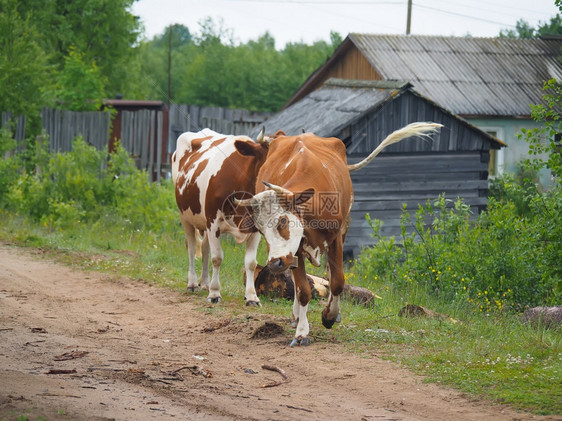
(86, 185)
(498, 261)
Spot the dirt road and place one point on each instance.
(80, 345)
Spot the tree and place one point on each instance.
(24, 72)
(80, 85)
(524, 30)
(180, 37)
(104, 31)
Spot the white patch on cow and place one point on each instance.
(287, 164)
(301, 150)
(300, 315)
(314, 254)
(267, 212)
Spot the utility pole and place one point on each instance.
(409, 18)
(169, 64)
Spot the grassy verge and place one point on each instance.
(493, 356)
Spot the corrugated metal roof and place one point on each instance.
(468, 76)
(340, 103)
(328, 110)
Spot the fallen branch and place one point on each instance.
(280, 371)
(275, 368)
(300, 409)
(58, 371)
(195, 370)
(191, 368)
(71, 355)
(105, 369)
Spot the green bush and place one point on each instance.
(84, 186)
(498, 261)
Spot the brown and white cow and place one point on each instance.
(303, 210)
(207, 169)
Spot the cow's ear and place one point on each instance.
(303, 197)
(247, 225)
(248, 148)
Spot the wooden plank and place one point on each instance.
(418, 185)
(370, 206)
(159, 118)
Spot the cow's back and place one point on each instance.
(300, 162)
(206, 170)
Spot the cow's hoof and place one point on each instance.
(253, 304)
(329, 323)
(192, 290)
(213, 300)
(302, 342)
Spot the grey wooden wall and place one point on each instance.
(390, 180)
(63, 126)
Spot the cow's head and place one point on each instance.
(277, 214)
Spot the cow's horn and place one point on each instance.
(277, 189)
(244, 202)
(263, 139)
(261, 136)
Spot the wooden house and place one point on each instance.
(488, 81)
(362, 114)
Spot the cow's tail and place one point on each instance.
(412, 129)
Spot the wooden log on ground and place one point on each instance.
(281, 285)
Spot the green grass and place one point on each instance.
(493, 356)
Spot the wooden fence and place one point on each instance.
(63, 126)
(148, 135)
(185, 118)
(16, 124)
(142, 137)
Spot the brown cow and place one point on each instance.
(303, 210)
(207, 169)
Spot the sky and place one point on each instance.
(312, 20)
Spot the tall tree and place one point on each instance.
(523, 29)
(79, 85)
(24, 72)
(104, 31)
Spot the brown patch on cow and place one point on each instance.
(190, 198)
(283, 228)
(237, 174)
(196, 143)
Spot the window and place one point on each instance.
(495, 165)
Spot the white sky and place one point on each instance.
(312, 20)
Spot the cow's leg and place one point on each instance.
(250, 263)
(205, 252)
(213, 236)
(300, 305)
(190, 242)
(331, 312)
